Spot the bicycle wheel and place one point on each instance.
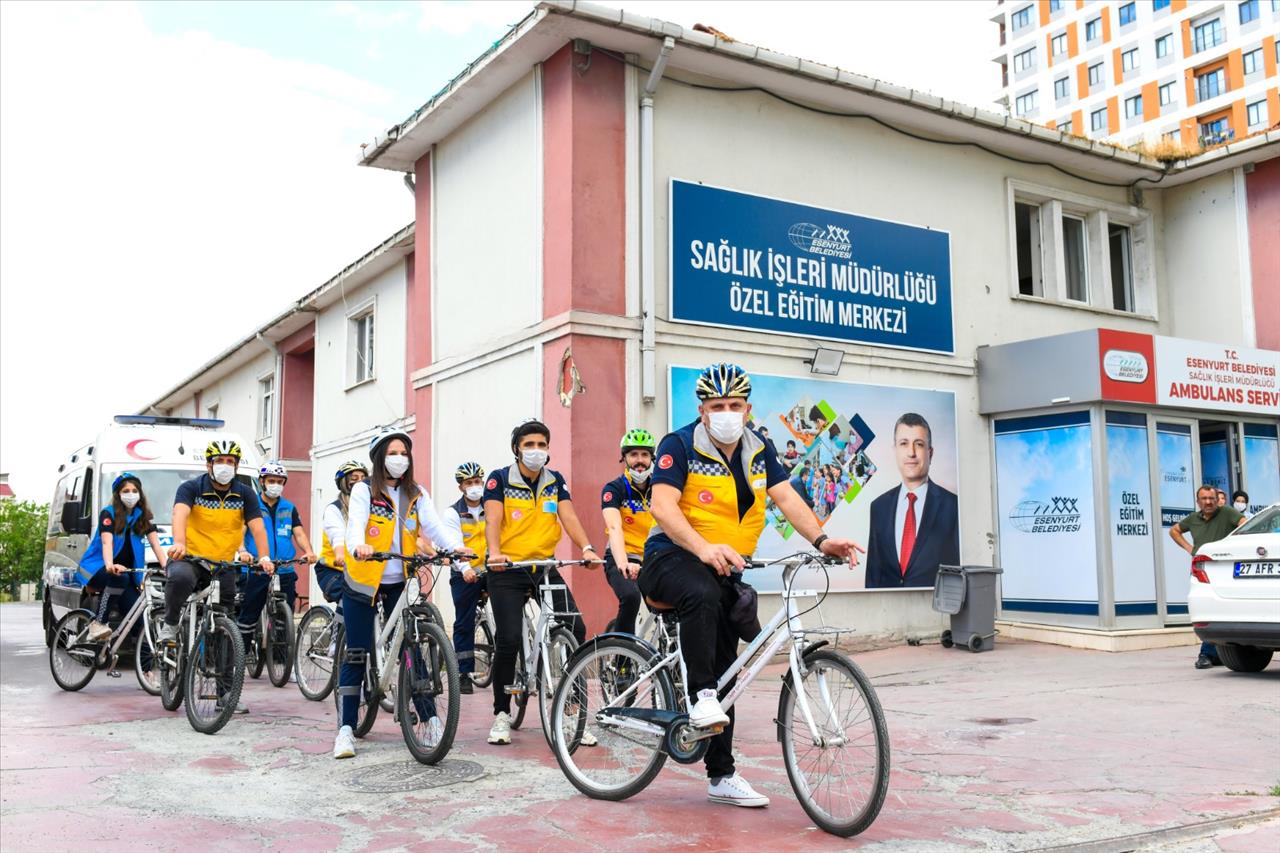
(520, 700)
(255, 656)
(482, 675)
(145, 665)
(625, 760)
(215, 675)
(170, 659)
(367, 707)
(279, 648)
(72, 659)
(560, 648)
(841, 781)
(313, 653)
(427, 699)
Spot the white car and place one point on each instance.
(1235, 593)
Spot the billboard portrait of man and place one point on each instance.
(914, 527)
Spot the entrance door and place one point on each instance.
(1177, 477)
(1219, 456)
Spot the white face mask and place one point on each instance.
(1240, 506)
(534, 459)
(641, 476)
(130, 499)
(274, 490)
(726, 427)
(223, 474)
(474, 493)
(396, 465)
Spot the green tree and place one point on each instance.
(22, 536)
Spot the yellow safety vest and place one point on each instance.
(472, 531)
(326, 547)
(710, 497)
(636, 518)
(365, 576)
(531, 518)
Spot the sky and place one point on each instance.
(173, 174)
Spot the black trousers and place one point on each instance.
(184, 579)
(508, 591)
(702, 600)
(628, 594)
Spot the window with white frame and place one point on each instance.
(1026, 104)
(1252, 61)
(1061, 89)
(1166, 94)
(1076, 250)
(1133, 107)
(1058, 44)
(1129, 59)
(1248, 11)
(1164, 46)
(1257, 113)
(1211, 84)
(361, 336)
(1207, 35)
(1098, 120)
(1024, 60)
(1095, 74)
(266, 404)
(1055, 6)
(1128, 14)
(1022, 18)
(1093, 30)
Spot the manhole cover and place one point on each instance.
(1002, 721)
(399, 776)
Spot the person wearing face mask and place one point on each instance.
(466, 519)
(527, 507)
(708, 502)
(285, 538)
(122, 527)
(333, 535)
(1240, 503)
(624, 503)
(210, 514)
(388, 512)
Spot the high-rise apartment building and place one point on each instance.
(1200, 72)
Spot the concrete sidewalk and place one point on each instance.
(1027, 747)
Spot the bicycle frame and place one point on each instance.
(141, 610)
(536, 640)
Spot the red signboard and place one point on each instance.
(1127, 366)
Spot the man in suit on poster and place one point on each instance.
(914, 527)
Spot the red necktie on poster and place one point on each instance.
(908, 534)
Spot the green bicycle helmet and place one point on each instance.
(638, 439)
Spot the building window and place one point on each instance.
(1023, 61)
(1026, 222)
(1129, 59)
(1065, 126)
(1093, 30)
(1055, 6)
(1159, 4)
(1074, 252)
(1211, 85)
(1209, 35)
(1059, 44)
(1133, 107)
(1026, 104)
(1095, 74)
(1253, 61)
(1257, 112)
(1098, 120)
(1022, 18)
(212, 412)
(1128, 13)
(1215, 132)
(1166, 94)
(1248, 11)
(266, 399)
(1061, 89)
(362, 340)
(1164, 46)
(1120, 239)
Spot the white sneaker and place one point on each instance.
(435, 731)
(707, 711)
(241, 708)
(98, 632)
(735, 791)
(344, 745)
(501, 731)
(588, 739)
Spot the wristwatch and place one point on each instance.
(817, 543)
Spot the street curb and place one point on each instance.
(1186, 832)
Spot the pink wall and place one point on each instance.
(297, 393)
(418, 353)
(1263, 191)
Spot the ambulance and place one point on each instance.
(163, 451)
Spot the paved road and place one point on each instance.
(1027, 747)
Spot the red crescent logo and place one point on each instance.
(516, 514)
(132, 449)
(608, 496)
(492, 484)
(666, 461)
(705, 497)
(628, 520)
(372, 532)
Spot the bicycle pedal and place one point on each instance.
(113, 673)
(710, 730)
(513, 690)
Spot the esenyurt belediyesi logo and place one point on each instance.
(830, 240)
(1056, 515)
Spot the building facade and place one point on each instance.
(1200, 73)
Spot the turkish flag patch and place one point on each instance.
(608, 496)
(666, 461)
(705, 497)
(492, 484)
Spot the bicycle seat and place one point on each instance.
(657, 605)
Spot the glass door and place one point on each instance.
(1177, 477)
(1261, 451)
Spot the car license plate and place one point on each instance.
(1257, 570)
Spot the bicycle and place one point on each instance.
(271, 642)
(74, 659)
(205, 669)
(545, 648)
(486, 630)
(315, 643)
(412, 649)
(835, 744)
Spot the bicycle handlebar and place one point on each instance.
(796, 560)
(416, 559)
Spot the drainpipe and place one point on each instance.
(648, 302)
(275, 403)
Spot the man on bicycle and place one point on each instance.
(285, 537)
(710, 485)
(624, 503)
(466, 519)
(210, 514)
(527, 507)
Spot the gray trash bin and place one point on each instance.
(968, 594)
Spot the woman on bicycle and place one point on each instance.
(624, 503)
(388, 512)
(122, 527)
(333, 533)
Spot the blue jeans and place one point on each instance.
(331, 585)
(358, 613)
(466, 597)
(255, 597)
(1209, 649)
(109, 585)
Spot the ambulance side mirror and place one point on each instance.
(72, 523)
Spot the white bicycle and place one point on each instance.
(624, 691)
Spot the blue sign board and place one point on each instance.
(758, 263)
